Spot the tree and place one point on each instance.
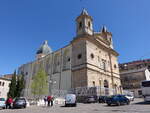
(20, 85)
(39, 84)
(12, 90)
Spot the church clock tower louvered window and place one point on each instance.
(84, 24)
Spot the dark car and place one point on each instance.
(102, 99)
(117, 100)
(90, 99)
(20, 103)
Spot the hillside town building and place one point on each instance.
(4, 87)
(133, 73)
(89, 60)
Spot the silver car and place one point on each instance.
(2, 103)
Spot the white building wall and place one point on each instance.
(4, 87)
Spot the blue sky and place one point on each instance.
(25, 24)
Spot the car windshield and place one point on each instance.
(90, 97)
(20, 99)
(2, 99)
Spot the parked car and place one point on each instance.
(20, 102)
(130, 97)
(2, 103)
(90, 99)
(117, 100)
(102, 99)
(70, 100)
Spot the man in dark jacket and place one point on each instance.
(49, 98)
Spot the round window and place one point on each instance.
(92, 55)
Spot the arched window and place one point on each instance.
(93, 83)
(3, 84)
(89, 24)
(80, 25)
(66, 59)
(106, 85)
(56, 63)
(115, 87)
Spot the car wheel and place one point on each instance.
(75, 105)
(118, 103)
(128, 102)
(108, 104)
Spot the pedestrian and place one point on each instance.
(49, 98)
(45, 100)
(9, 102)
(52, 98)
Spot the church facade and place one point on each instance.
(89, 60)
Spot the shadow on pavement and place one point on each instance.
(143, 103)
(111, 105)
(63, 106)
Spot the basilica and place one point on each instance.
(89, 60)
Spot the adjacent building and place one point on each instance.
(89, 60)
(4, 87)
(132, 73)
(8, 76)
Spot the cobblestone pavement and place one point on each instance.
(136, 106)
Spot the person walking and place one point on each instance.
(45, 100)
(52, 98)
(49, 98)
(9, 102)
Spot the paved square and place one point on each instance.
(136, 106)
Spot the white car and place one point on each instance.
(2, 103)
(130, 97)
(70, 99)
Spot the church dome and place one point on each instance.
(44, 49)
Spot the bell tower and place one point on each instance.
(84, 24)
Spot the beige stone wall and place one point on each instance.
(79, 78)
(95, 57)
(99, 73)
(79, 73)
(93, 76)
(99, 55)
(115, 66)
(78, 48)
